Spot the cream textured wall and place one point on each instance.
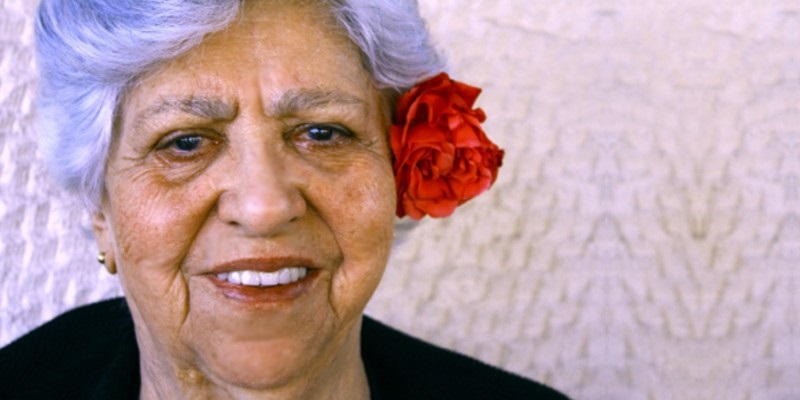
(642, 241)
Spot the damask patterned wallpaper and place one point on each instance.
(642, 241)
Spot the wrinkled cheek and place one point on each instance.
(154, 288)
(364, 229)
(153, 233)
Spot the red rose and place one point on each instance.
(442, 157)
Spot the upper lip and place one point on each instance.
(270, 264)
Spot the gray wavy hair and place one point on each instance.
(89, 52)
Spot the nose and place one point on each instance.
(263, 194)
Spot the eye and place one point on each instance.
(184, 146)
(187, 143)
(322, 134)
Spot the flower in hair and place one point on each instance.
(442, 157)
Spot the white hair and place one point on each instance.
(89, 52)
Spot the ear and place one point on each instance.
(105, 244)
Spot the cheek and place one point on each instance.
(360, 212)
(153, 226)
(368, 198)
(367, 218)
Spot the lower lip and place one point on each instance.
(254, 295)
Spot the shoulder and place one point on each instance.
(88, 352)
(402, 367)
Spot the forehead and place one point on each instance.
(272, 48)
(272, 22)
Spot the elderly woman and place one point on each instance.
(244, 162)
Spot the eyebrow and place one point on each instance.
(203, 107)
(291, 102)
(294, 101)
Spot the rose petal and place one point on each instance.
(438, 208)
(466, 136)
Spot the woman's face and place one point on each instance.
(261, 155)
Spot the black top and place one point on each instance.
(91, 353)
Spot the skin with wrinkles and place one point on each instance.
(216, 159)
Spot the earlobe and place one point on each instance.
(105, 248)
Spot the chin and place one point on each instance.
(259, 366)
(271, 363)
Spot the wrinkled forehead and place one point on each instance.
(265, 25)
(319, 13)
(299, 36)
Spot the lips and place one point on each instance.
(264, 280)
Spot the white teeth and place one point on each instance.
(235, 277)
(250, 278)
(268, 278)
(283, 276)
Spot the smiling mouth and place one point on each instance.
(263, 281)
(283, 276)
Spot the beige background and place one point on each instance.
(642, 241)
